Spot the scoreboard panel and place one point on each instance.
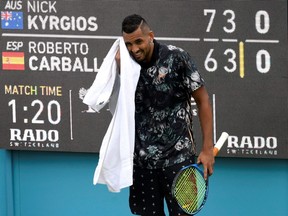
(51, 52)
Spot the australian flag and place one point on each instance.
(11, 20)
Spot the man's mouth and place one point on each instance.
(137, 55)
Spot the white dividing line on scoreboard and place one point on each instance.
(89, 36)
(210, 39)
(230, 40)
(177, 39)
(99, 37)
(59, 36)
(261, 41)
(71, 114)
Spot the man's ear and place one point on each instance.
(151, 36)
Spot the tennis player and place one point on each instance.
(164, 138)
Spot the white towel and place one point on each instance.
(115, 166)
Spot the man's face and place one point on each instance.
(140, 44)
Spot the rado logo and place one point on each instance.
(255, 142)
(37, 135)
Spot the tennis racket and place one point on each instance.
(189, 187)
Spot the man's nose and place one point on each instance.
(134, 49)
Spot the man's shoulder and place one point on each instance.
(168, 50)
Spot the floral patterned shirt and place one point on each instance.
(163, 117)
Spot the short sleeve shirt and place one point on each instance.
(163, 117)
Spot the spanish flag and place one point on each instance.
(13, 60)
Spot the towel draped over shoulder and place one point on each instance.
(115, 166)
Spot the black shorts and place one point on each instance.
(150, 188)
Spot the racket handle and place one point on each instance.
(220, 143)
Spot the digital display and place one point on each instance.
(51, 52)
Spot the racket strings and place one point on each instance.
(190, 190)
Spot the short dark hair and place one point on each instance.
(132, 22)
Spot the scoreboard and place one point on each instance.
(51, 51)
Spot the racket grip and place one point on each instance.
(215, 151)
(224, 136)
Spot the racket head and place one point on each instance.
(190, 189)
